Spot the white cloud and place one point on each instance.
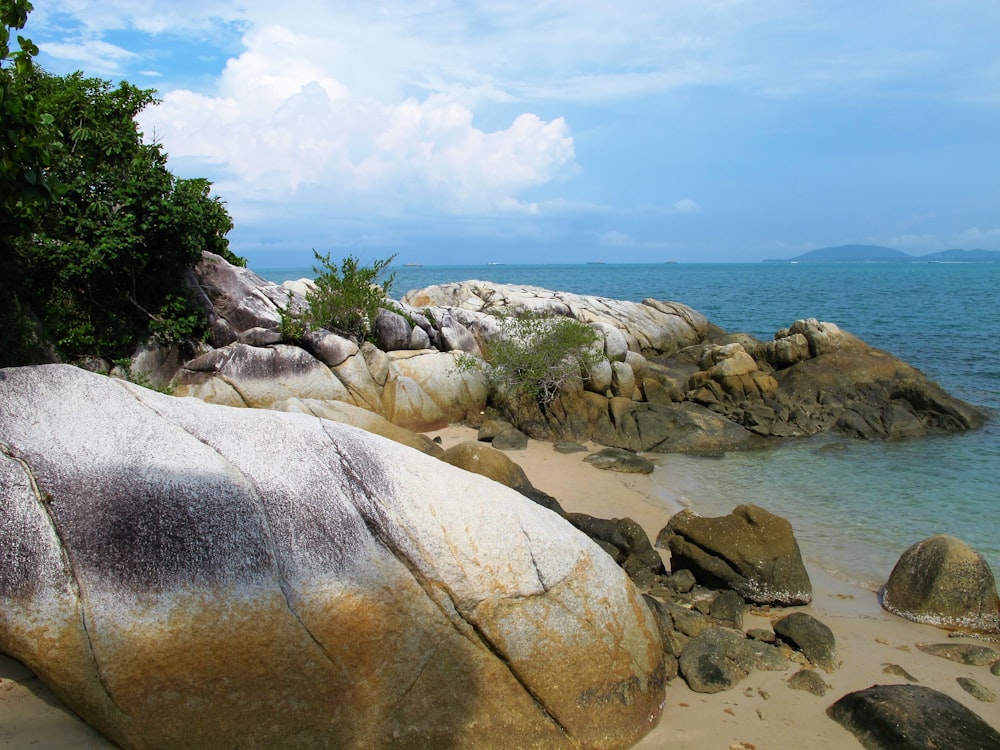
(685, 206)
(277, 128)
(95, 56)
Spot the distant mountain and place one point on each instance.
(879, 254)
(963, 256)
(851, 254)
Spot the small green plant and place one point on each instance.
(536, 355)
(346, 298)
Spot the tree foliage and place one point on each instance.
(346, 299)
(536, 355)
(103, 260)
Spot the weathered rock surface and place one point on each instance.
(651, 325)
(943, 581)
(961, 653)
(751, 551)
(190, 576)
(911, 717)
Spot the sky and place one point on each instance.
(564, 131)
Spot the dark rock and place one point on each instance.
(943, 581)
(616, 459)
(810, 636)
(511, 439)
(686, 621)
(728, 606)
(239, 299)
(808, 680)
(491, 428)
(995, 668)
(567, 446)
(750, 551)
(681, 581)
(714, 660)
(392, 331)
(962, 653)
(764, 635)
(911, 717)
(976, 690)
(717, 659)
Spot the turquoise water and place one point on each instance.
(855, 505)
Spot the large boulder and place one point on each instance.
(751, 551)
(186, 575)
(942, 581)
(911, 717)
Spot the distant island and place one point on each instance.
(879, 254)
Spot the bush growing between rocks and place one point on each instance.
(536, 355)
(346, 299)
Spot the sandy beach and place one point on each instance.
(762, 712)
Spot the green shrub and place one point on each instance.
(536, 355)
(346, 298)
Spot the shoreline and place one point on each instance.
(762, 712)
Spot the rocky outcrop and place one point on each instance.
(751, 551)
(186, 575)
(911, 717)
(943, 581)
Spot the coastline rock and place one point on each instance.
(716, 659)
(751, 551)
(188, 575)
(911, 717)
(942, 581)
(961, 653)
(810, 681)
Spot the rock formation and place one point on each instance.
(186, 575)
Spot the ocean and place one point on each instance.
(854, 505)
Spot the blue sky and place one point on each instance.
(564, 131)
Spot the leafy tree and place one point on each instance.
(106, 260)
(346, 299)
(536, 355)
(26, 139)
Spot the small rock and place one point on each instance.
(898, 671)
(511, 439)
(976, 690)
(728, 607)
(618, 459)
(995, 668)
(714, 661)
(809, 681)
(682, 581)
(810, 636)
(761, 634)
(963, 653)
(565, 446)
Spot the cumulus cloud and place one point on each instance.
(279, 128)
(92, 55)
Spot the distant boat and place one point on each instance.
(494, 263)
(595, 262)
(670, 262)
(412, 265)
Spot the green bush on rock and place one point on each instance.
(536, 355)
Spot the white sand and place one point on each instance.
(762, 712)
